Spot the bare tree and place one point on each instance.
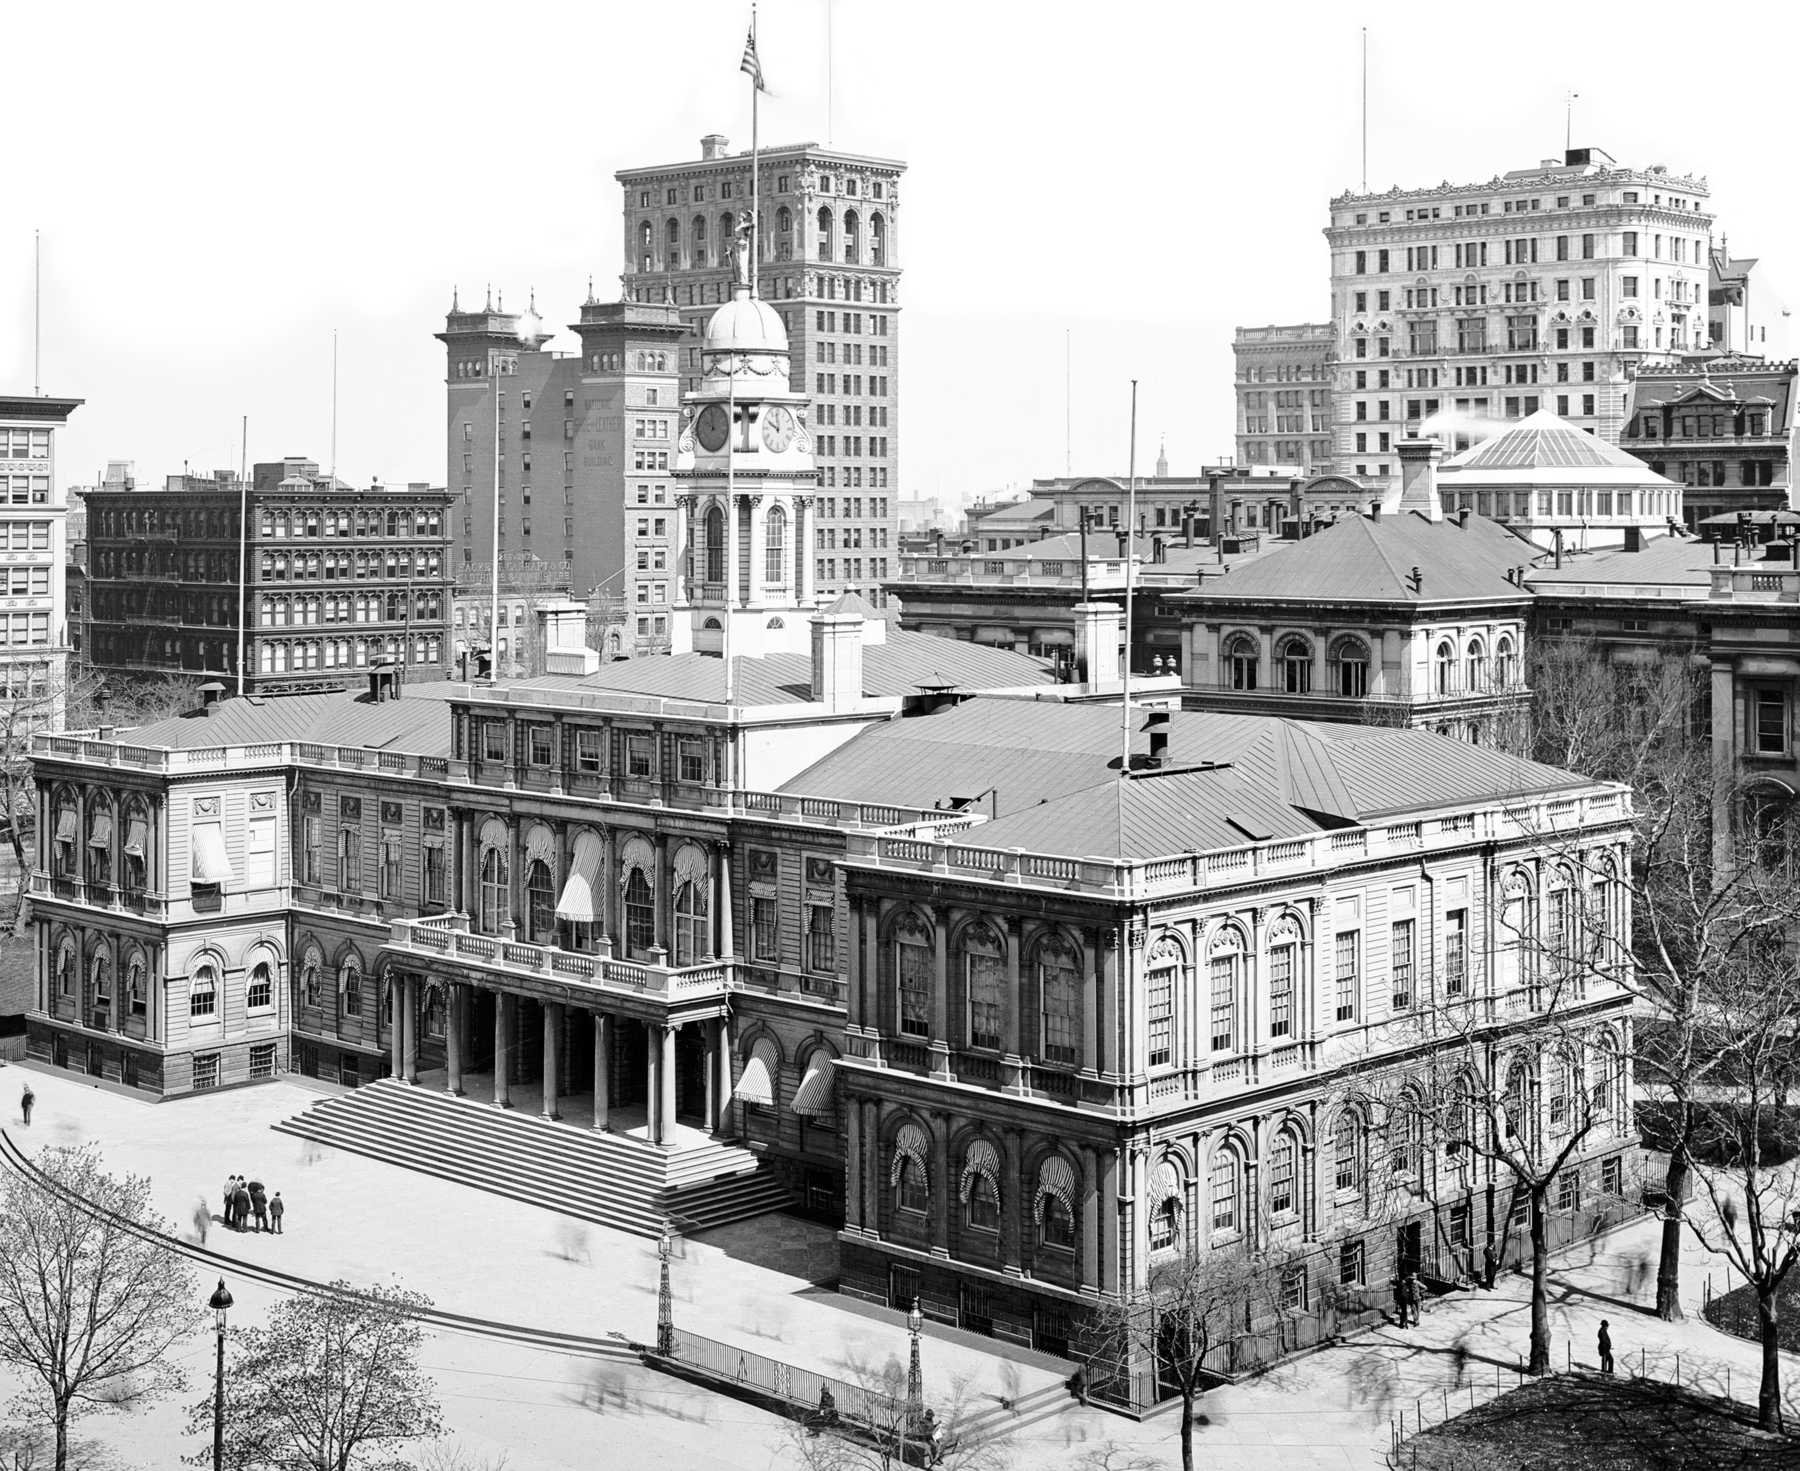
(1745, 1144)
(332, 1383)
(91, 1299)
(1193, 1302)
(879, 1427)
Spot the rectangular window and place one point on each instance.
(349, 861)
(692, 755)
(914, 966)
(1768, 735)
(262, 1061)
(637, 756)
(1281, 991)
(1401, 962)
(1350, 1264)
(433, 877)
(493, 740)
(539, 745)
(206, 1070)
(1348, 955)
(821, 937)
(1161, 999)
(1224, 1001)
(1456, 951)
(1568, 1191)
(765, 928)
(390, 863)
(310, 838)
(587, 751)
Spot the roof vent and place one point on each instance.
(1157, 725)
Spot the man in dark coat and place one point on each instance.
(259, 1205)
(26, 1099)
(1606, 1358)
(241, 1204)
(276, 1211)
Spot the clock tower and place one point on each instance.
(744, 490)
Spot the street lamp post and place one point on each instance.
(665, 1301)
(219, 1302)
(915, 1386)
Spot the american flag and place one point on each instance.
(751, 65)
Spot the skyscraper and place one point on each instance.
(828, 263)
(1542, 288)
(34, 643)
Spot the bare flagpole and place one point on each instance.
(1365, 110)
(1130, 557)
(494, 365)
(243, 549)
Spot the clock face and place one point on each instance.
(713, 428)
(778, 428)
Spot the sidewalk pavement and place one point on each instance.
(753, 1285)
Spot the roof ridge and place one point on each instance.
(1400, 578)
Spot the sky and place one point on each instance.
(1094, 194)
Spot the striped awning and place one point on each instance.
(813, 1096)
(100, 834)
(911, 1143)
(756, 1084)
(1056, 1176)
(65, 825)
(983, 1160)
(137, 833)
(577, 901)
(1165, 1184)
(211, 866)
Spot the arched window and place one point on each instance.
(1162, 971)
(1768, 827)
(692, 934)
(1241, 659)
(1349, 1150)
(1294, 659)
(1604, 1078)
(1476, 665)
(259, 993)
(65, 969)
(911, 1176)
(824, 234)
(350, 986)
(540, 903)
(1056, 1196)
(203, 993)
(100, 982)
(1521, 1120)
(137, 997)
(1227, 1175)
(852, 237)
(494, 905)
(775, 540)
(1282, 1199)
(1163, 1201)
(640, 915)
(985, 972)
(99, 840)
(644, 236)
(1504, 662)
(66, 856)
(1446, 668)
(1225, 961)
(877, 240)
(1059, 999)
(981, 1186)
(1350, 668)
(914, 976)
(784, 220)
(311, 981)
(715, 545)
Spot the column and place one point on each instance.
(853, 966)
(1090, 1220)
(1108, 1211)
(943, 1188)
(1090, 1003)
(1012, 1073)
(552, 1057)
(805, 521)
(1113, 1055)
(940, 994)
(602, 1070)
(663, 896)
(1134, 1219)
(759, 530)
(1012, 1206)
(853, 1165)
(503, 1025)
(712, 1071)
(409, 1027)
(396, 1052)
(453, 1036)
(871, 963)
(727, 940)
(722, 1124)
(666, 1088)
(652, 1082)
(731, 552)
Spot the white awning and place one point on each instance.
(577, 901)
(210, 863)
(65, 825)
(136, 834)
(755, 1085)
(813, 1096)
(100, 834)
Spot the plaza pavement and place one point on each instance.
(754, 1285)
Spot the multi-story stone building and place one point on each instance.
(578, 449)
(1284, 379)
(34, 652)
(829, 264)
(326, 579)
(1459, 303)
(1722, 428)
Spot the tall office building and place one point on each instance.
(34, 638)
(1283, 377)
(828, 262)
(1543, 288)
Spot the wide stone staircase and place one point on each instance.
(611, 1179)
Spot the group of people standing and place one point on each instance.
(246, 1200)
(1409, 1299)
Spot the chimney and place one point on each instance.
(211, 693)
(1157, 725)
(713, 145)
(1418, 477)
(1462, 518)
(1097, 647)
(837, 660)
(1556, 531)
(1158, 549)
(384, 680)
(562, 635)
(1418, 580)
(1634, 539)
(1374, 510)
(1124, 535)
(1216, 496)
(1043, 531)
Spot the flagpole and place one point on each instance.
(755, 172)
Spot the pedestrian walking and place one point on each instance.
(1400, 1301)
(202, 1219)
(276, 1211)
(26, 1099)
(1606, 1358)
(1417, 1295)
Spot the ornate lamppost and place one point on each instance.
(665, 1300)
(219, 1302)
(915, 1385)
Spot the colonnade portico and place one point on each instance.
(708, 1095)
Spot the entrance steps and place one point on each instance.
(609, 1179)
